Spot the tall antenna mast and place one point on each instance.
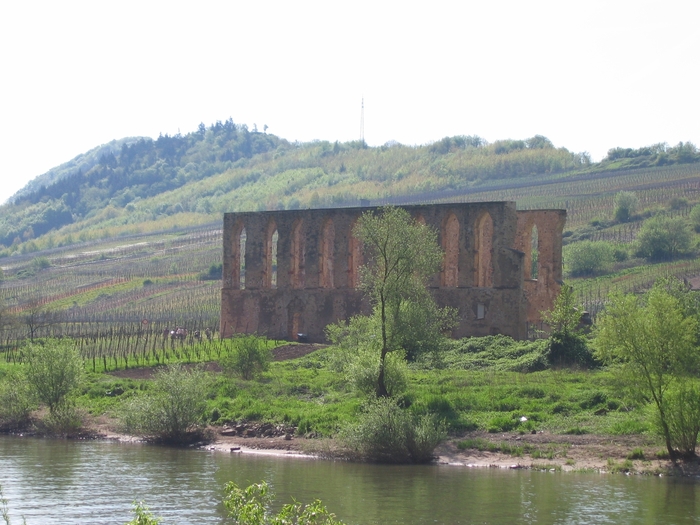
(362, 123)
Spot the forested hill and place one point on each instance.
(139, 184)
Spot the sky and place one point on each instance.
(589, 75)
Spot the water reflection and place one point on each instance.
(51, 482)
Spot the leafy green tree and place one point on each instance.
(626, 203)
(588, 257)
(173, 410)
(402, 255)
(653, 341)
(663, 237)
(54, 371)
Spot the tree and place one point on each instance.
(402, 254)
(626, 203)
(36, 316)
(54, 370)
(654, 342)
(588, 257)
(664, 237)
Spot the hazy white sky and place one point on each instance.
(590, 75)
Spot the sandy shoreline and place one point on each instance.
(588, 453)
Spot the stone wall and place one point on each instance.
(486, 273)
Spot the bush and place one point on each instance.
(54, 371)
(663, 237)
(356, 355)
(683, 418)
(695, 217)
(570, 349)
(15, 402)
(174, 410)
(388, 434)
(362, 372)
(589, 257)
(626, 203)
(214, 274)
(142, 516)
(250, 506)
(249, 357)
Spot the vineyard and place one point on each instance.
(117, 297)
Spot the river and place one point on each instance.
(95, 482)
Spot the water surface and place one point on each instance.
(68, 482)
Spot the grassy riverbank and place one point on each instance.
(545, 417)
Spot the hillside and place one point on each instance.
(130, 231)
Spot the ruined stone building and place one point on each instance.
(501, 268)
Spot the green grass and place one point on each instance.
(307, 394)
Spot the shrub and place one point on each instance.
(142, 515)
(174, 410)
(213, 274)
(54, 371)
(388, 434)
(569, 349)
(626, 203)
(249, 357)
(683, 418)
(250, 506)
(357, 356)
(663, 237)
(361, 373)
(589, 257)
(15, 401)
(695, 217)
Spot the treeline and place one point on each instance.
(141, 169)
(227, 167)
(660, 154)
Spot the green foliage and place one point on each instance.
(387, 433)
(663, 237)
(54, 371)
(682, 417)
(587, 258)
(567, 345)
(654, 341)
(250, 506)
(15, 401)
(249, 357)
(403, 254)
(173, 410)
(356, 355)
(695, 217)
(142, 516)
(626, 203)
(213, 274)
